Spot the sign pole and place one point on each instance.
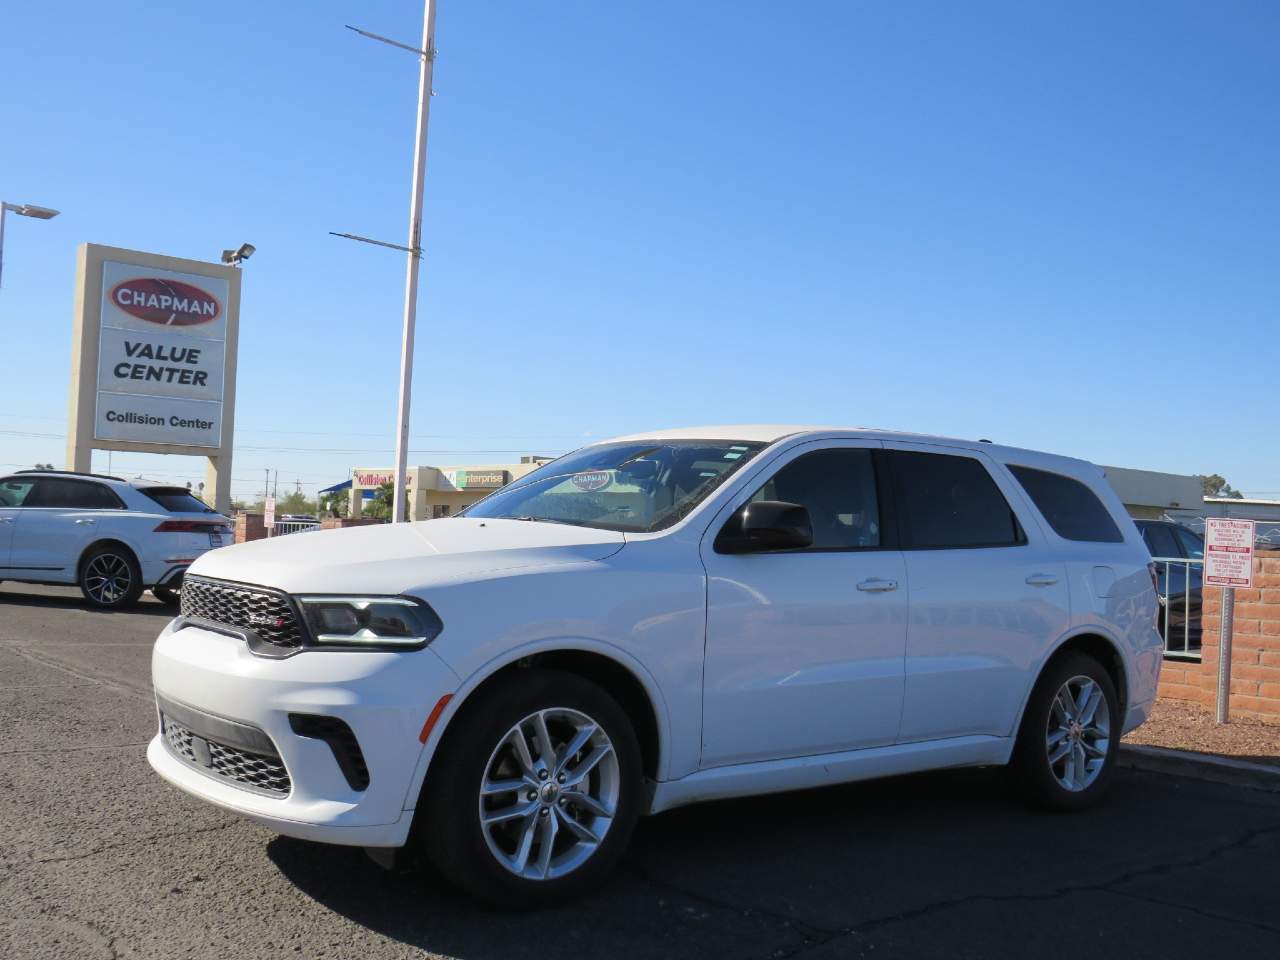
(1224, 653)
(1228, 563)
(427, 58)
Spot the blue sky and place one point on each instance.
(1053, 225)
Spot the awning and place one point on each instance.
(338, 487)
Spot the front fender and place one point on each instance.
(548, 645)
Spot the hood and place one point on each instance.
(397, 557)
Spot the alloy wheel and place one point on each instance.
(107, 578)
(1078, 735)
(549, 793)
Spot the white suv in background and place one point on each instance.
(658, 620)
(111, 537)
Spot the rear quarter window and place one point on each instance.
(176, 499)
(1071, 508)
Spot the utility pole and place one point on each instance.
(266, 487)
(426, 59)
(275, 486)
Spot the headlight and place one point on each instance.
(370, 621)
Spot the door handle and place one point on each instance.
(1042, 580)
(6, 519)
(876, 585)
(85, 520)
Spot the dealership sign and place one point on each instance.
(153, 359)
(161, 356)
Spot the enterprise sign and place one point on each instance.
(161, 356)
(477, 479)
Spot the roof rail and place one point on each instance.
(73, 473)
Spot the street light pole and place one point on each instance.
(426, 58)
(425, 61)
(22, 210)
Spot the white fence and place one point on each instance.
(1180, 600)
(282, 527)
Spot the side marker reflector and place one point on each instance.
(433, 717)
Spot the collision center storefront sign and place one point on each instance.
(161, 356)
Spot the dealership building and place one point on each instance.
(438, 491)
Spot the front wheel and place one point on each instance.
(535, 791)
(1069, 736)
(110, 578)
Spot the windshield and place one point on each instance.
(632, 487)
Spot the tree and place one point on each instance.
(380, 506)
(1215, 485)
(334, 504)
(296, 502)
(45, 466)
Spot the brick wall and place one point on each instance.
(250, 526)
(1255, 649)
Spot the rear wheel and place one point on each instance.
(1069, 736)
(535, 792)
(110, 578)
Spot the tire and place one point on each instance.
(110, 578)
(166, 595)
(480, 747)
(1080, 777)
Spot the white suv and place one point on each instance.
(658, 620)
(113, 538)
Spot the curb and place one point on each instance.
(1201, 766)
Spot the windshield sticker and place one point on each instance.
(592, 480)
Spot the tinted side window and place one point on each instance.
(950, 501)
(1159, 540)
(1072, 509)
(72, 494)
(1192, 545)
(14, 491)
(838, 488)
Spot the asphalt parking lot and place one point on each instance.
(100, 858)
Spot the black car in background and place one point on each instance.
(1179, 554)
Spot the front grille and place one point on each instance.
(264, 612)
(250, 771)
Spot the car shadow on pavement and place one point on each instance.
(721, 878)
(69, 598)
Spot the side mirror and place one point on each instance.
(766, 525)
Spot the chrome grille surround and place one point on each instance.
(258, 612)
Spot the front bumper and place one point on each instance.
(383, 697)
